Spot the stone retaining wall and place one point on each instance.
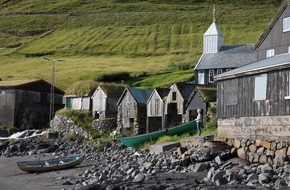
(261, 150)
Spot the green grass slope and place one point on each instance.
(162, 38)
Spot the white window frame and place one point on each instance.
(210, 76)
(270, 53)
(260, 91)
(219, 71)
(286, 24)
(288, 96)
(200, 77)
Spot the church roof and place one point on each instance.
(228, 57)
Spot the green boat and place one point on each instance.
(135, 141)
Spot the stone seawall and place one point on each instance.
(261, 151)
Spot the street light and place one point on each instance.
(51, 105)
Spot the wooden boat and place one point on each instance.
(51, 164)
(135, 141)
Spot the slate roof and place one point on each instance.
(228, 57)
(213, 30)
(282, 60)
(141, 96)
(163, 92)
(185, 89)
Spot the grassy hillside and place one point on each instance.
(157, 41)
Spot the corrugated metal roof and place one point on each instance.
(213, 30)
(277, 60)
(140, 95)
(228, 57)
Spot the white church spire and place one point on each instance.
(213, 39)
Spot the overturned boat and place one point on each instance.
(135, 141)
(51, 164)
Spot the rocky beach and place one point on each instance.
(199, 166)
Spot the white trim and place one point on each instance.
(210, 77)
(286, 24)
(270, 53)
(198, 61)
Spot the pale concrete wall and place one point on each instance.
(263, 127)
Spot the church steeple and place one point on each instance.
(213, 14)
(213, 39)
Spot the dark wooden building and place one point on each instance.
(276, 38)
(155, 109)
(253, 101)
(105, 100)
(26, 104)
(132, 113)
(177, 99)
(218, 58)
(196, 101)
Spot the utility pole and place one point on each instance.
(51, 103)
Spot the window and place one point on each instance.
(2, 92)
(231, 92)
(219, 71)
(260, 87)
(200, 77)
(286, 24)
(173, 96)
(270, 53)
(288, 95)
(228, 70)
(210, 76)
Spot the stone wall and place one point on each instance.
(66, 127)
(263, 127)
(261, 150)
(105, 124)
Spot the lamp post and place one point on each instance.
(51, 104)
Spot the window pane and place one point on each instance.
(286, 24)
(260, 87)
(210, 76)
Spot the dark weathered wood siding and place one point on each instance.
(276, 38)
(131, 116)
(155, 113)
(243, 88)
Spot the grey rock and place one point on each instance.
(263, 178)
(218, 175)
(67, 182)
(253, 178)
(201, 167)
(139, 178)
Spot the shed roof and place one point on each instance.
(228, 57)
(141, 96)
(258, 67)
(163, 92)
(185, 89)
(38, 85)
(111, 90)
